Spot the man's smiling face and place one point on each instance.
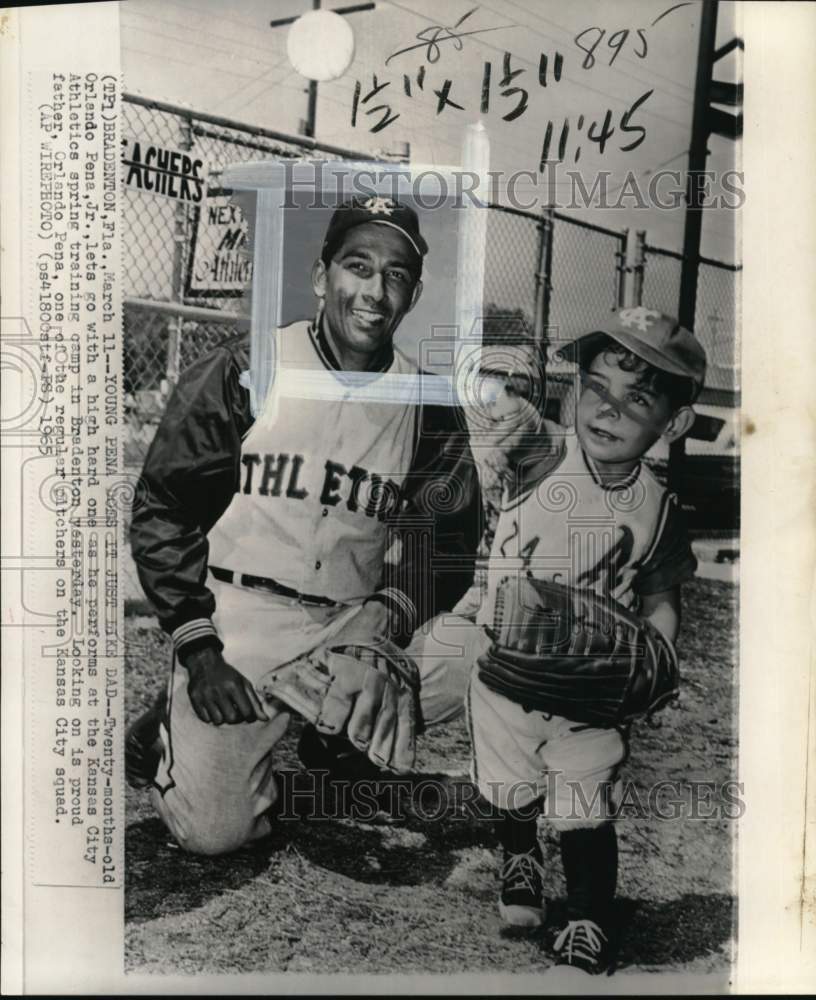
(367, 288)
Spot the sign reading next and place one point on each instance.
(220, 263)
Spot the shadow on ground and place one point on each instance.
(675, 931)
(417, 844)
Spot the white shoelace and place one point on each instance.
(522, 869)
(581, 939)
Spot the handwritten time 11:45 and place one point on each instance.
(556, 145)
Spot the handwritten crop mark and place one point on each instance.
(431, 37)
(677, 6)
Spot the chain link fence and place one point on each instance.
(660, 287)
(716, 321)
(586, 276)
(512, 250)
(151, 253)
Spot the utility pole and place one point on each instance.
(706, 121)
(698, 151)
(311, 110)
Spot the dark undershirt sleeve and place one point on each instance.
(672, 561)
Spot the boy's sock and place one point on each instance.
(590, 859)
(520, 903)
(518, 829)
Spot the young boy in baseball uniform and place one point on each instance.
(583, 509)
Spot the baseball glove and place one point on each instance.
(576, 654)
(369, 690)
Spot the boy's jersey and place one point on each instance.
(321, 471)
(625, 540)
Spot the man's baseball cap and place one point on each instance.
(376, 208)
(651, 335)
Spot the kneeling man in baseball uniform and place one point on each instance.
(292, 556)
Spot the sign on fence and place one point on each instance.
(172, 173)
(218, 263)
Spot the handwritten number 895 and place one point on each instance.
(616, 41)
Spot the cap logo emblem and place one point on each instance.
(641, 318)
(380, 205)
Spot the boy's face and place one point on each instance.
(619, 418)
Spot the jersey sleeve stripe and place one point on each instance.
(199, 628)
(403, 604)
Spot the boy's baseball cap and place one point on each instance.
(376, 208)
(651, 335)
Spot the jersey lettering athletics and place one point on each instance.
(571, 529)
(321, 471)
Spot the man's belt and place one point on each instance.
(270, 586)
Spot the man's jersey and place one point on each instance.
(624, 541)
(321, 472)
(313, 451)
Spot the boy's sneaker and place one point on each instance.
(143, 746)
(520, 902)
(582, 945)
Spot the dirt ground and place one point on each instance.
(341, 895)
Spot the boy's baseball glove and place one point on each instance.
(576, 654)
(369, 690)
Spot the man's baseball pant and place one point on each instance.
(215, 784)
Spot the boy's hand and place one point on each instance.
(510, 421)
(218, 693)
(513, 417)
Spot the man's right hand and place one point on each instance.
(218, 693)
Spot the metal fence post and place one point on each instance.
(175, 327)
(543, 278)
(638, 267)
(622, 270)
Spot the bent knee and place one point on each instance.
(219, 831)
(210, 845)
(210, 839)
